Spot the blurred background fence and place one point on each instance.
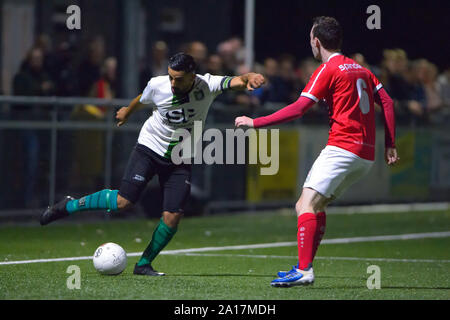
(60, 88)
(61, 149)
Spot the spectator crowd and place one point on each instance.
(421, 92)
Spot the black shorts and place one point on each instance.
(175, 180)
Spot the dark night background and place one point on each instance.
(126, 31)
(421, 28)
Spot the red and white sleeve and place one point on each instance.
(318, 85)
(387, 104)
(376, 83)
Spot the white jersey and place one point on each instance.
(172, 112)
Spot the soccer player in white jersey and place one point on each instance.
(178, 99)
(350, 92)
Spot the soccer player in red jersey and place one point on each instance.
(350, 91)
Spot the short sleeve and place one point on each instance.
(147, 94)
(318, 85)
(218, 84)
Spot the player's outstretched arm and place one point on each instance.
(289, 113)
(124, 112)
(249, 81)
(387, 104)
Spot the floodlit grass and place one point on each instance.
(231, 274)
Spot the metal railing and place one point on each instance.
(54, 125)
(232, 195)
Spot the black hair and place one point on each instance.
(328, 31)
(182, 62)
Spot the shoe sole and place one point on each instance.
(292, 284)
(150, 275)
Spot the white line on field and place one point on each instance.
(46, 260)
(258, 246)
(389, 208)
(383, 259)
(263, 256)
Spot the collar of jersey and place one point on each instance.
(193, 85)
(333, 55)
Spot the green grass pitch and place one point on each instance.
(244, 274)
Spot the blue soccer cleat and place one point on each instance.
(295, 277)
(282, 274)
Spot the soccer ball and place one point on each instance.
(110, 259)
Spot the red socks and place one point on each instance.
(307, 224)
(320, 230)
(311, 229)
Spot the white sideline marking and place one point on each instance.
(46, 260)
(258, 246)
(389, 208)
(262, 256)
(409, 236)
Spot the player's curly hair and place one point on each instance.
(182, 62)
(328, 31)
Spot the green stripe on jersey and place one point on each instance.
(179, 100)
(172, 144)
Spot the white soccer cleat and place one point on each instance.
(295, 277)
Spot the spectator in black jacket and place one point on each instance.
(32, 80)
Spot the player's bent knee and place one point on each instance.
(172, 218)
(302, 207)
(311, 201)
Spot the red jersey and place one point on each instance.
(348, 89)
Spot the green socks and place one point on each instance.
(161, 237)
(105, 199)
